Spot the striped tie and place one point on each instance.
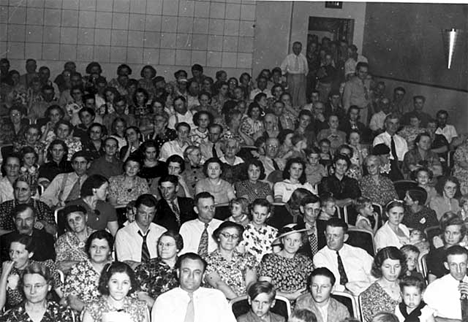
(145, 255)
(203, 246)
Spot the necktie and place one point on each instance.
(313, 243)
(393, 149)
(275, 164)
(341, 270)
(296, 63)
(203, 246)
(190, 313)
(145, 255)
(176, 210)
(215, 153)
(75, 191)
(464, 306)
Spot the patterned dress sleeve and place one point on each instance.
(267, 267)
(114, 187)
(62, 248)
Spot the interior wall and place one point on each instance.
(168, 34)
(280, 23)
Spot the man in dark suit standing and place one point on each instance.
(172, 211)
(25, 222)
(310, 209)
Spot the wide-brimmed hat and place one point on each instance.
(291, 229)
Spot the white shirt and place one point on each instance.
(400, 144)
(53, 196)
(295, 64)
(191, 232)
(210, 305)
(236, 161)
(177, 118)
(356, 261)
(6, 190)
(443, 296)
(171, 148)
(377, 121)
(385, 236)
(285, 189)
(128, 242)
(448, 131)
(256, 91)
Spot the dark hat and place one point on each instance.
(380, 149)
(73, 208)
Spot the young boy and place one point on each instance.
(328, 208)
(320, 285)
(366, 211)
(326, 158)
(411, 254)
(239, 208)
(314, 170)
(424, 178)
(413, 308)
(261, 297)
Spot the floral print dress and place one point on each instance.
(53, 313)
(258, 241)
(133, 310)
(83, 282)
(156, 277)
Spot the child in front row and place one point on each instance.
(413, 308)
(261, 297)
(365, 211)
(239, 208)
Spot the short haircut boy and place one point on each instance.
(415, 281)
(321, 271)
(262, 287)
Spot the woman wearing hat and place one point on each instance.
(287, 269)
(417, 215)
(378, 188)
(229, 270)
(386, 168)
(70, 247)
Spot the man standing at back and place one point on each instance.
(357, 91)
(190, 302)
(295, 68)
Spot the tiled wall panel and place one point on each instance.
(214, 33)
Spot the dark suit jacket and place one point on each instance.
(165, 216)
(43, 244)
(321, 240)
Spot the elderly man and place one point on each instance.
(270, 160)
(350, 265)
(178, 145)
(182, 114)
(23, 195)
(446, 294)
(173, 211)
(137, 242)
(190, 301)
(295, 67)
(193, 167)
(357, 91)
(198, 233)
(25, 221)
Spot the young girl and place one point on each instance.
(424, 178)
(261, 297)
(326, 158)
(413, 308)
(365, 210)
(314, 170)
(258, 236)
(418, 239)
(116, 284)
(411, 254)
(239, 208)
(29, 168)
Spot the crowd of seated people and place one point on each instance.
(124, 196)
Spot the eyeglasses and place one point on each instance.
(229, 236)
